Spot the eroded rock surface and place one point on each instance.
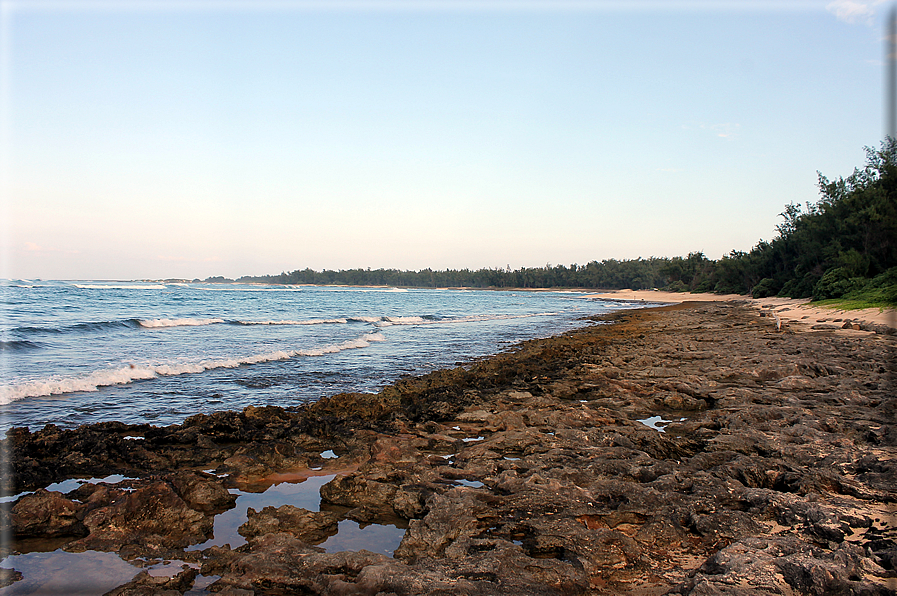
(539, 471)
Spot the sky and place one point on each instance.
(187, 139)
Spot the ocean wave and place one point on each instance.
(246, 289)
(119, 324)
(161, 323)
(15, 345)
(120, 286)
(366, 319)
(131, 373)
(307, 322)
(91, 382)
(389, 321)
(80, 327)
(362, 289)
(481, 318)
(430, 320)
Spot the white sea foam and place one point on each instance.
(247, 289)
(401, 321)
(100, 378)
(388, 321)
(161, 323)
(120, 287)
(131, 373)
(308, 322)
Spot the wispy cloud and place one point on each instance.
(851, 11)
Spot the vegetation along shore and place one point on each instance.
(699, 448)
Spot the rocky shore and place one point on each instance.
(692, 449)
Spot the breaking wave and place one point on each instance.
(131, 373)
(308, 322)
(120, 286)
(162, 323)
(246, 288)
(387, 321)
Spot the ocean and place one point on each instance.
(76, 353)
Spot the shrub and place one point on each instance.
(881, 288)
(704, 286)
(835, 283)
(677, 286)
(765, 287)
(799, 287)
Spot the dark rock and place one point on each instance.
(153, 516)
(202, 492)
(9, 576)
(47, 514)
(145, 584)
(311, 527)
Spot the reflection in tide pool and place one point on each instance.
(377, 538)
(305, 494)
(70, 485)
(95, 573)
(74, 574)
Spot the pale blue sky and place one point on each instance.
(189, 139)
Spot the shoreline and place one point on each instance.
(798, 311)
(537, 470)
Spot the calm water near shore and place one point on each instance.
(84, 352)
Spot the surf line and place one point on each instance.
(131, 372)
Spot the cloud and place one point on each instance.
(850, 11)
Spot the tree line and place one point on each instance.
(843, 245)
(610, 273)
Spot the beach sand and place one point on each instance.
(795, 311)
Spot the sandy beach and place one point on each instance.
(795, 311)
